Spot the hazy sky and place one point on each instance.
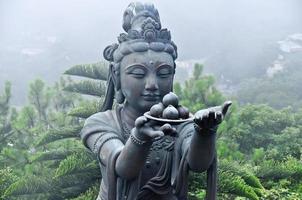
(45, 37)
(191, 22)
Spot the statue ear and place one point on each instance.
(115, 76)
(119, 96)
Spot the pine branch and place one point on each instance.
(7, 177)
(54, 165)
(71, 186)
(55, 134)
(233, 180)
(30, 185)
(241, 171)
(6, 135)
(74, 191)
(86, 110)
(97, 71)
(90, 194)
(53, 155)
(34, 187)
(273, 170)
(76, 163)
(84, 178)
(87, 87)
(232, 184)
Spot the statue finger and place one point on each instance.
(201, 116)
(225, 107)
(212, 118)
(218, 117)
(197, 119)
(165, 127)
(140, 121)
(168, 129)
(152, 123)
(173, 132)
(204, 120)
(155, 134)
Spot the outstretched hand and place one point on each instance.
(210, 118)
(148, 130)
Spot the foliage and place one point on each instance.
(270, 170)
(199, 91)
(85, 109)
(278, 132)
(46, 151)
(94, 88)
(98, 71)
(6, 179)
(249, 135)
(6, 116)
(259, 147)
(233, 179)
(279, 91)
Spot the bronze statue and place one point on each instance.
(140, 158)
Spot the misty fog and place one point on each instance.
(236, 39)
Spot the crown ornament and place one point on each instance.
(143, 31)
(150, 32)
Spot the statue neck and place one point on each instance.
(129, 115)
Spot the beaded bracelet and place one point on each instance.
(135, 140)
(207, 131)
(101, 144)
(96, 141)
(197, 128)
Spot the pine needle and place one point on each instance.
(58, 134)
(87, 87)
(85, 110)
(97, 71)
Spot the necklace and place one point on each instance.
(126, 130)
(124, 127)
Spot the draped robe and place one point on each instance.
(165, 173)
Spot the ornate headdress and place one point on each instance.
(143, 31)
(142, 25)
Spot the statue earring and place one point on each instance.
(119, 96)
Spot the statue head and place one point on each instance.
(142, 62)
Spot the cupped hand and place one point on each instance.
(210, 118)
(147, 129)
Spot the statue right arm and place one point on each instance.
(132, 154)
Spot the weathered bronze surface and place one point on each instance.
(140, 158)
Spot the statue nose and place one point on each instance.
(151, 84)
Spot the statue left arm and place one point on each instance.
(201, 151)
(202, 147)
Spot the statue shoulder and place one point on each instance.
(101, 118)
(101, 122)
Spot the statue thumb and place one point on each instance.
(225, 107)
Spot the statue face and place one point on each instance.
(145, 78)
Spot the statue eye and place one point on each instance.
(164, 72)
(137, 72)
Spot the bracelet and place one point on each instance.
(101, 144)
(135, 140)
(197, 128)
(208, 130)
(96, 141)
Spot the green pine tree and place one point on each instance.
(59, 167)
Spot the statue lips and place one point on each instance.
(151, 96)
